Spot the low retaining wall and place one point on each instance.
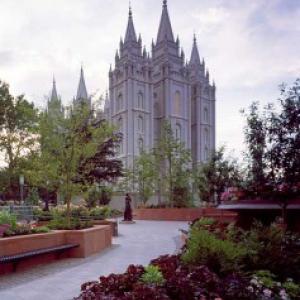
(91, 241)
(183, 214)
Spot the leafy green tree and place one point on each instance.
(173, 161)
(278, 158)
(256, 139)
(65, 144)
(18, 132)
(211, 178)
(144, 176)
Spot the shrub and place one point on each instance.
(101, 212)
(42, 215)
(8, 219)
(93, 197)
(41, 229)
(292, 288)
(270, 248)
(219, 255)
(152, 275)
(60, 222)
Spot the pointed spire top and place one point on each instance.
(165, 29)
(54, 96)
(130, 31)
(195, 57)
(81, 90)
(130, 9)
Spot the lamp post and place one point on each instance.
(21, 182)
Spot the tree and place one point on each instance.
(144, 175)
(71, 151)
(173, 161)
(214, 176)
(279, 148)
(256, 138)
(18, 132)
(103, 166)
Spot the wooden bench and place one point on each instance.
(15, 258)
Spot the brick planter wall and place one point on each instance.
(182, 214)
(91, 241)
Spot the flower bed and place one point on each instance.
(219, 262)
(182, 214)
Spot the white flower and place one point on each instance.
(267, 293)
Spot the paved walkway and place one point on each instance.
(137, 244)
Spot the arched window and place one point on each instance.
(140, 124)
(141, 145)
(205, 115)
(119, 105)
(206, 136)
(141, 100)
(177, 104)
(178, 132)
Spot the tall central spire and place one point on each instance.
(130, 35)
(165, 29)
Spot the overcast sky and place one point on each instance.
(250, 47)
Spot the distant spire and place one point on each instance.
(144, 52)
(165, 29)
(81, 91)
(54, 96)
(130, 35)
(195, 57)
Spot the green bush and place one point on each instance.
(271, 248)
(41, 229)
(101, 212)
(292, 288)
(41, 215)
(60, 222)
(8, 219)
(204, 248)
(152, 275)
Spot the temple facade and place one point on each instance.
(147, 88)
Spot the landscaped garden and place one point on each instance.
(219, 261)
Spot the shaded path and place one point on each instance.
(137, 244)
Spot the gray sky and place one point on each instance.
(250, 47)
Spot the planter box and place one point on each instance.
(91, 241)
(112, 223)
(182, 214)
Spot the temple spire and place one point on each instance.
(130, 35)
(54, 96)
(165, 29)
(81, 91)
(195, 57)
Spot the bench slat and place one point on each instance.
(24, 255)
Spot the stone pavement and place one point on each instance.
(137, 244)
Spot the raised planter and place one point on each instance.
(91, 241)
(112, 223)
(182, 214)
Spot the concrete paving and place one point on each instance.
(137, 244)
